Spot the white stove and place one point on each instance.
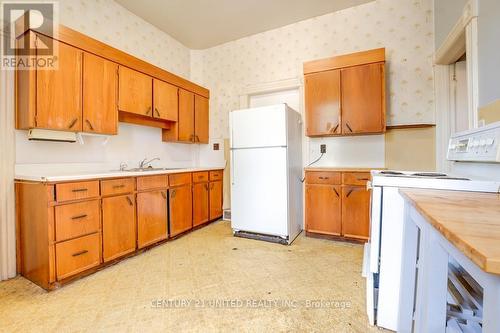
(383, 252)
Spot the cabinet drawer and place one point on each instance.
(77, 255)
(152, 182)
(215, 175)
(179, 179)
(76, 219)
(323, 177)
(117, 186)
(75, 191)
(200, 177)
(355, 178)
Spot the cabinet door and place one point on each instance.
(59, 92)
(363, 99)
(100, 95)
(322, 94)
(323, 209)
(135, 92)
(166, 100)
(186, 116)
(118, 226)
(200, 204)
(355, 212)
(215, 200)
(151, 217)
(201, 116)
(181, 209)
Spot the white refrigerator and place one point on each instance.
(266, 172)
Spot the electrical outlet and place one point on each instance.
(322, 148)
(216, 146)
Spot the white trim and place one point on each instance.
(268, 87)
(472, 71)
(443, 115)
(7, 161)
(453, 47)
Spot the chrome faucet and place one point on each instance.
(123, 166)
(145, 163)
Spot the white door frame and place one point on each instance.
(461, 39)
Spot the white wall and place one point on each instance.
(112, 24)
(446, 14)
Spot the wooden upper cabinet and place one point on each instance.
(322, 94)
(152, 217)
(100, 95)
(323, 209)
(185, 124)
(181, 209)
(215, 200)
(118, 226)
(165, 100)
(59, 92)
(135, 92)
(363, 99)
(345, 95)
(355, 212)
(201, 115)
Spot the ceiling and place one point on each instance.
(200, 24)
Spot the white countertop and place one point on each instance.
(59, 175)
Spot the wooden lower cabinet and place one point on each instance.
(200, 203)
(337, 203)
(118, 226)
(75, 256)
(355, 212)
(323, 209)
(215, 199)
(181, 209)
(70, 229)
(152, 219)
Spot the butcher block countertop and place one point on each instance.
(468, 220)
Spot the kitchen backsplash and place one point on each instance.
(403, 27)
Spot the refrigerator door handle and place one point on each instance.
(232, 166)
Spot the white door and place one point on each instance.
(259, 190)
(259, 127)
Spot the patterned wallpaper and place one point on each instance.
(107, 21)
(403, 27)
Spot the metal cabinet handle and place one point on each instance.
(163, 195)
(148, 110)
(79, 217)
(335, 190)
(157, 112)
(90, 124)
(119, 186)
(79, 190)
(79, 253)
(73, 123)
(172, 193)
(364, 179)
(212, 186)
(334, 130)
(129, 201)
(206, 187)
(324, 177)
(349, 127)
(349, 193)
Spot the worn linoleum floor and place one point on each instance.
(206, 281)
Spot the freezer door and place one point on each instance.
(259, 127)
(259, 191)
